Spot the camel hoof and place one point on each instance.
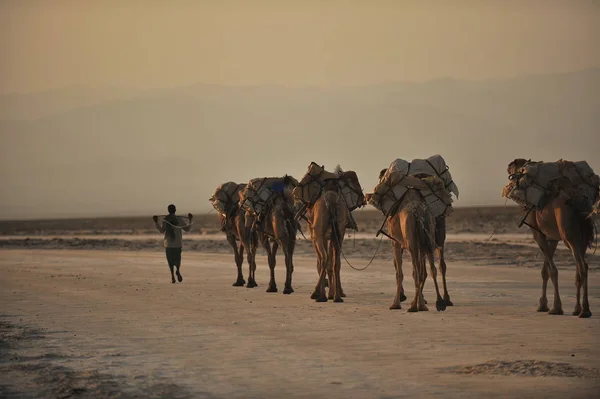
(577, 310)
(343, 295)
(321, 299)
(395, 306)
(330, 296)
(314, 295)
(239, 283)
(440, 305)
(402, 298)
(173, 281)
(288, 290)
(424, 309)
(544, 308)
(338, 300)
(272, 289)
(251, 284)
(554, 311)
(413, 309)
(585, 314)
(179, 277)
(448, 302)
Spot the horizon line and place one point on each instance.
(302, 86)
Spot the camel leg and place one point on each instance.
(548, 248)
(320, 288)
(271, 251)
(337, 265)
(330, 271)
(551, 248)
(289, 264)
(319, 265)
(440, 252)
(440, 303)
(577, 309)
(581, 281)
(319, 293)
(251, 256)
(414, 306)
(440, 240)
(400, 297)
(319, 268)
(557, 305)
(543, 304)
(239, 260)
(423, 270)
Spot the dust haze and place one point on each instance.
(119, 109)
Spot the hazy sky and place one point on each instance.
(71, 152)
(51, 43)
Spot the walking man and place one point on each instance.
(171, 226)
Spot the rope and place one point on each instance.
(334, 233)
(348, 262)
(177, 226)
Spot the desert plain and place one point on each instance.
(87, 310)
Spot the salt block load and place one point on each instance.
(430, 176)
(226, 197)
(533, 183)
(311, 187)
(259, 193)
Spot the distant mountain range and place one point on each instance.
(90, 151)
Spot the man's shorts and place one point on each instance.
(174, 256)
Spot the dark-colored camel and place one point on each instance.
(275, 228)
(234, 226)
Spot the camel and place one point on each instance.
(560, 220)
(275, 228)
(412, 227)
(440, 242)
(329, 218)
(234, 226)
(348, 187)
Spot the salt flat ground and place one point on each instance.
(97, 324)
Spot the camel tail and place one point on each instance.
(425, 225)
(332, 206)
(589, 232)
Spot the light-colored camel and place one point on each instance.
(560, 220)
(412, 227)
(440, 243)
(234, 227)
(276, 228)
(329, 218)
(347, 185)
